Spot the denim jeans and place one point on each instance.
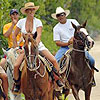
(91, 59)
(60, 53)
(63, 50)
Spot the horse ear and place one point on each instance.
(74, 26)
(4, 51)
(84, 24)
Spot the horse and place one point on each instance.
(34, 78)
(11, 57)
(78, 74)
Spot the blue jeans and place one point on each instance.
(60, 53)
(63, 50)
(91, 59)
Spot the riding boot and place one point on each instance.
(57, 77)
(16, 89)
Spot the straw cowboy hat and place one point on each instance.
(28, 6)
(60, 10)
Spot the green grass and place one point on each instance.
(62, 97)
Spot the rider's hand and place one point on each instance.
(70, 41)
(20, 51)
(14, 21)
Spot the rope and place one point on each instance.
(78, 50)
(37, 67)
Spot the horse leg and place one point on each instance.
(75, 92)
(88, 92)
(45, 96)
(50, 95)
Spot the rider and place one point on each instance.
(30, 25)
(4, 78)
(8, 30)
(63, 34)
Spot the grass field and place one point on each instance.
(62, 97)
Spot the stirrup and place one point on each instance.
(93, 82)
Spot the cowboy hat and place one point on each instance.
(28, 6)
(60, 10)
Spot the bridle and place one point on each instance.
(82, 40)
(32, 60)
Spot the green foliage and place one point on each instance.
(80, 10)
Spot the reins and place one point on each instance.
(35, 66)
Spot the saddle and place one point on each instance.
(65, 61)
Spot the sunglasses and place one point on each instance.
(61, 14)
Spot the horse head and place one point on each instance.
(31, 50)
(82, 38)
(11, 56)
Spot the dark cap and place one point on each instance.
(13, 11)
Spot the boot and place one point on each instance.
(16, 88)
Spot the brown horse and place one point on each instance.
(79, 75)
(34, 79)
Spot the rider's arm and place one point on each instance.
(14, 35)
(62, 44)
(39, 32)
(8, 31)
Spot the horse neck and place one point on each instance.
(77, 53)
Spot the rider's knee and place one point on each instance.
(3, 61)
(54, 61)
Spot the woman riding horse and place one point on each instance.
(34, 79)
(30, 25)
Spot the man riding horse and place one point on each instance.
(8, 30)
(63, 34)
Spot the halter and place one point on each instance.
(36, 67)
(76, 40)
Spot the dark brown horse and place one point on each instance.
(80, 75)
(34, 79)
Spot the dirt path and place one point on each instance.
(95, 95)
